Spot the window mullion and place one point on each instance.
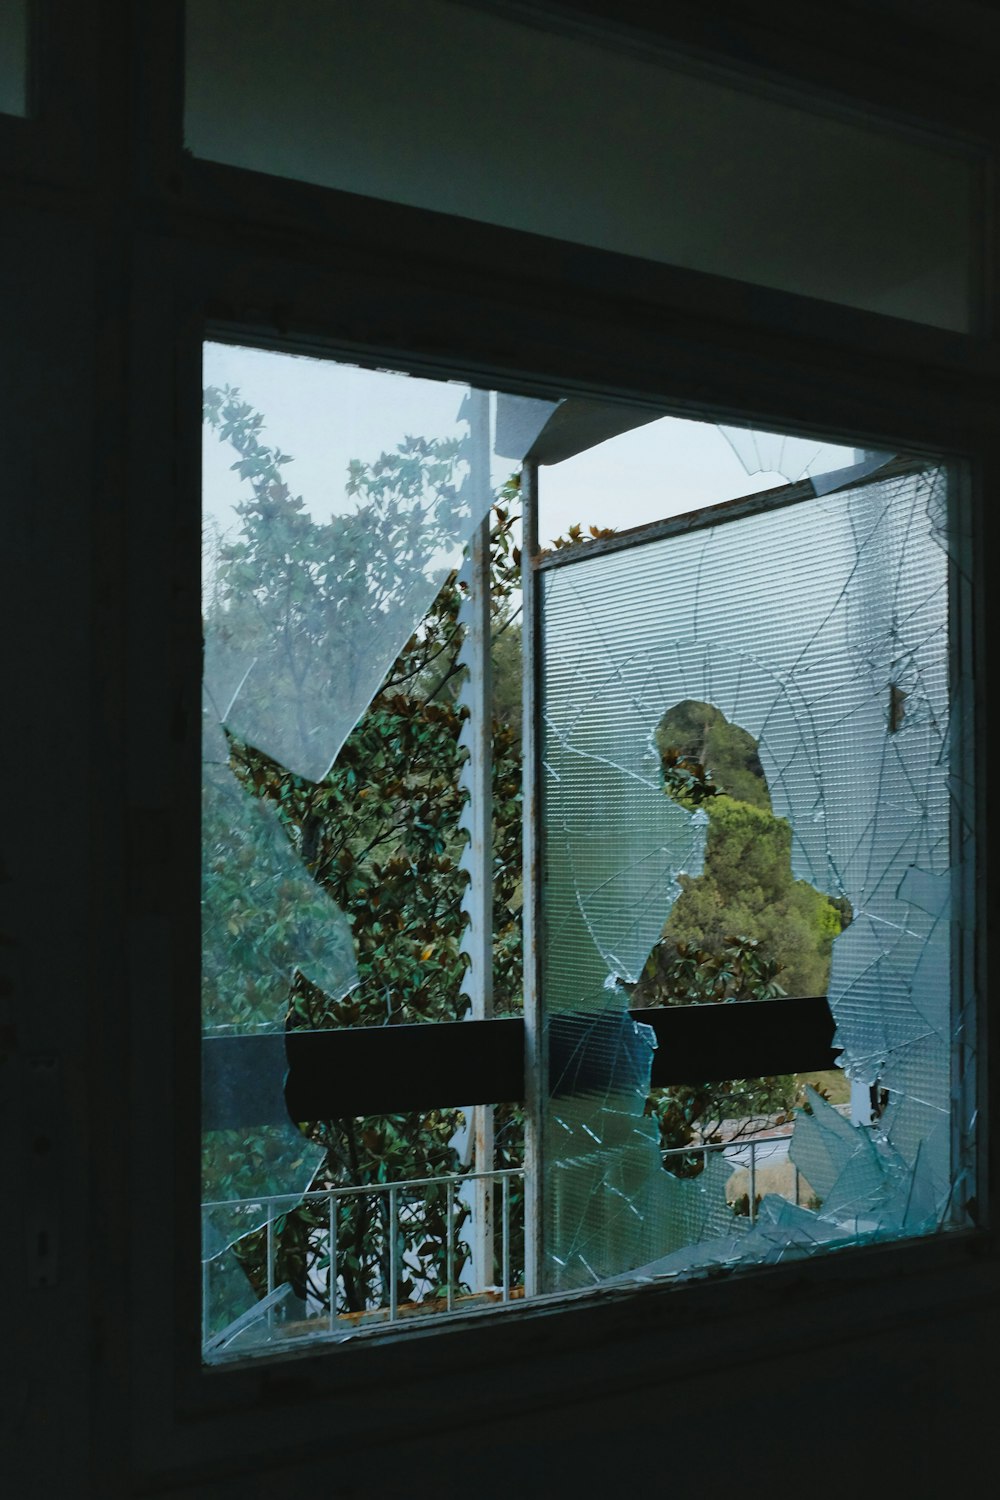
(477, 780)
(535, 1046)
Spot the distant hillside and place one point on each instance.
(746, 893)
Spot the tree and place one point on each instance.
(739, 925)
(380, 832)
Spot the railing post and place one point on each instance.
(450, 1293)
(753, 1182)
(477, 817)
(270, 1255)
(393, 1256)
(333, 1262)
(505, 1231)
(270, 1265)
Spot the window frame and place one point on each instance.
(188, 366)
(486, 1061)
(319, 271)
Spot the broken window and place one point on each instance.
(778, 678)
(747, 726)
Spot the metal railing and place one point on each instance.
(438, 1283)
(750, 1152)
(401, 1211)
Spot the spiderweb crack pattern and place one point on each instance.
(822, 630)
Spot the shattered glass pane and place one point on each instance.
(263, 918)
(821, 629)
(305, 607)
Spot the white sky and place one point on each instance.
(324, 414)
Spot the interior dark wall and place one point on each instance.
(901, 1408)
(535, 129)
(869, 1369)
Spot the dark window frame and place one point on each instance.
(208, 247)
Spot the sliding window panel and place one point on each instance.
(749, 722)
(356, 852)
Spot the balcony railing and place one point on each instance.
(753, 1154)
(404, 1275)
(417, 1263)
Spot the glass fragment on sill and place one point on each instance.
(822, 630)
(260, 1324)
(235, 1318)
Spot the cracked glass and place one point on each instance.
(804, 647)
(315, 579)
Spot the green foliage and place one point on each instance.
(784, 926)
(576, 535)
(678, 974)
(747, 886)
(506, 664)
(686, 779)
(380, 834)
(702, 733)
(741, 969)
(304, 603)
(696, 1112)
(739, 925)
